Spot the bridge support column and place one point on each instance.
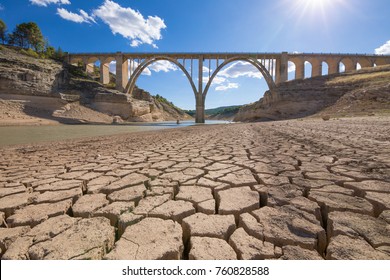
(282, 68)
(350, 65)
(316, 69)
(199, 115)
(200, 100)
(333, 66)
(122, 69)
(104, 73)
(300, 69)
(89, 68)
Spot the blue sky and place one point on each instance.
(331, 26)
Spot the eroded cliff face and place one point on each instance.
(361, 92)
(22, 77)
(21, 74)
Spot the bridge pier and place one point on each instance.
(200, 99)
(89, 68)
(316, 68)
(199, 114)
(104, 73)
(333, 66)
(281, 71)
(122, 71)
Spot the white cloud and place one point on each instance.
(163, 65)
(240, 69)
(219, 80)
(134, 65)
(87, 17)
(226, 86)
(159, 66)
(79, 18)
(291, 66)
(384, 49)
(206, 69)
(44, 3)
(216, 81)
(131, 24)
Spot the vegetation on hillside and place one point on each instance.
(3, 29)
(164, 100)
(28, 37)
(217, 111)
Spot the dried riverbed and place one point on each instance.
(301, 189)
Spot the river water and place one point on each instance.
(15, 135)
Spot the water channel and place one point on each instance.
(15, 135)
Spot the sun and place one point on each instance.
(316, 3)
(313, 6)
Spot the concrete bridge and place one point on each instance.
(272, 66)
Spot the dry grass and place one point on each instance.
(377, 77)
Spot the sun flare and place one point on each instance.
(315, 3)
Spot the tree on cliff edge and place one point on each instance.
(28, 35)
(3, 29)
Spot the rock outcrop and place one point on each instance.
(50, 89)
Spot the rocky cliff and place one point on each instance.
(361, 92)
(62, 88)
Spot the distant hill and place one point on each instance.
(220, 113)
(358, 93)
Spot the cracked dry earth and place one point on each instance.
(280, 190)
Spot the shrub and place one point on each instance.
(29, 52)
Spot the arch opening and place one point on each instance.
(145, 64)
(262, 70)
(234, 76)
(292, 71)
(308, 69)
(160, 69)
(325, 69)
(341, 67)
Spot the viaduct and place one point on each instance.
(272, 66)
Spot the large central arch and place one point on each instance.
(199, 92)
(146, 63)
(259, 66)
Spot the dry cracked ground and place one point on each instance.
(280, 190)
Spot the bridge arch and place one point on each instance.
(259, 66)
(324, 68)
(349, 63)
(146, 63)
(308, 69)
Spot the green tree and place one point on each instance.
(50, 52)
(3, 29)
(59, 53)
(28, 35)
(35, 37)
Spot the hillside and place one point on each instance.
(220, 113)
(362, 92)
(47, 91)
